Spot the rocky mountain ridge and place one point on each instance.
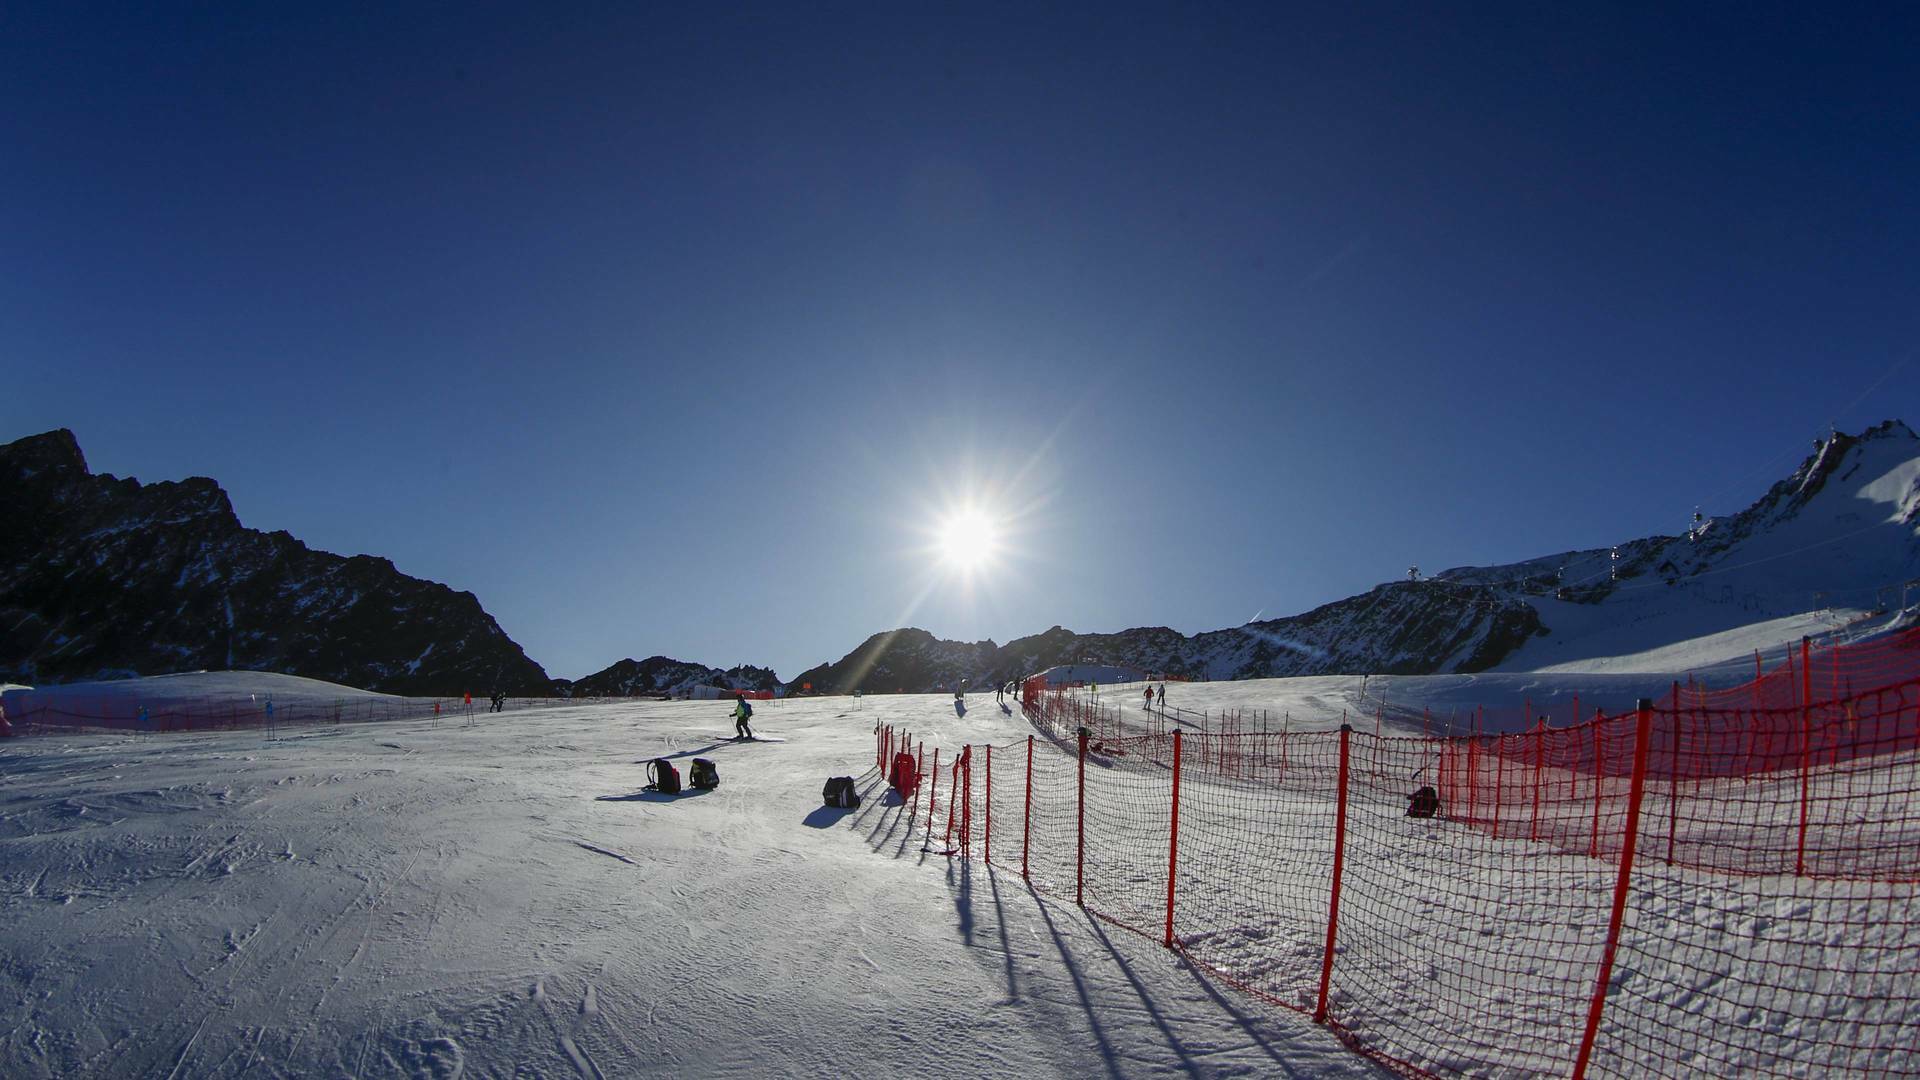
(102, 577)
(661, 676)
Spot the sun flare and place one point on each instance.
(967, 539)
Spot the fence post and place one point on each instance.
(1173, 839)
(966, 801)
(1806, 754)
(1026, 817)
(933, 788)
(1080, 841)
(1644, 734)
(1673, 777)
(1539, 765)
(1473, 772)
(986, 856)
(1499, 780)
(1333, 897)
(1599, 782)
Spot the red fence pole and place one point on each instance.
(1673, 777)
(987, 856)
(1333, 898)
(933, 787)
(1620, 886)
(1539, 764)
(1599, 782)
(1080, 848)
(1806, 755)
(1473, 771)
(1173, 839)
(1499, 780)
(966, 801)
(1026, 818)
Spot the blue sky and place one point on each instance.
(676, 331)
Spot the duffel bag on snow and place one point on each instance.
(703, 774)
(839, 792)
(664, 778)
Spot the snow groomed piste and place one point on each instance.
(498, 895)
(1720, 883)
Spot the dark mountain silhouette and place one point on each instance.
(102, 577)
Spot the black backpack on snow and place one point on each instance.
(839, 793)
(665, 778)
(1424, 804)
(703, 774)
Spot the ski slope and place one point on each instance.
(414, 899)
(495, 895)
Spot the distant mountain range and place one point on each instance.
(660, 676)
(1843, 530)
(112, 578)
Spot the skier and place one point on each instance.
(1163, 695)
(742, 712)
(1149, 697)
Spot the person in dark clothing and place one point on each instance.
(742, 712)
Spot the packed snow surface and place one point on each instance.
(502, 899)
(496, 895)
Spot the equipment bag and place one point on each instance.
(665, 778)
(1424, 803)
(839, 793)
(704, 774)
(905, 777)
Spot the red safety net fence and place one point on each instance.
(54, 714)
(1691, 888)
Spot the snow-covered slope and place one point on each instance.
(1838, 538)
(503, 899)
(190, 688)
(398, 900)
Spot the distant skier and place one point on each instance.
(1149, 697)
(742, 712)
(1163, 695)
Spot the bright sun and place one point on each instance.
(967, 539)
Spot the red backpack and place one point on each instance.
(906, 775)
